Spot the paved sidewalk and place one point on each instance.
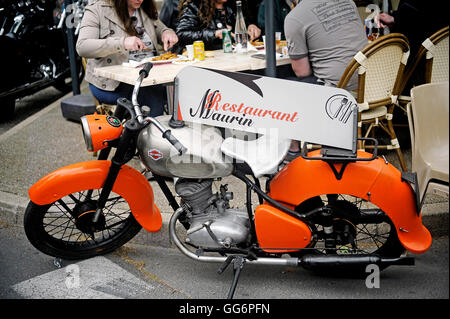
(46, 141)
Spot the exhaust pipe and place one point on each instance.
(213, 259)
(318, 262)
(310, 262)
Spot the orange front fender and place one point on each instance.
(375, 181)
(130, 184)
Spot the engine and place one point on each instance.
(213, 224)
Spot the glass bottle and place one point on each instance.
(226, 41)
(240, 30)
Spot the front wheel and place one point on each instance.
(65, 228)
(64, 84)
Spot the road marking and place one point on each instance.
(95, 278)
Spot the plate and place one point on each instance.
(258, 45)
(262, 55)
(132, 64)
(184, 61)
(250, 47)
(179, 57)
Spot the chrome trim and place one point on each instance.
(86, 134)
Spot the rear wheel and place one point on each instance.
(65, 228)
(358, 227)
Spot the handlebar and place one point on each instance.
(174, 141)
(143, 73)
(146, 69)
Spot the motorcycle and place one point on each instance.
(34, 48)
(332, 210)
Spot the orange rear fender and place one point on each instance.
(130, 184)
(375, 181)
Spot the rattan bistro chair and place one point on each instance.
(380, 66)
(435, 52)
(436, 68)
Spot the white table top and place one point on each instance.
(165, 73)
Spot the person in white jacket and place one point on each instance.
(111, 31)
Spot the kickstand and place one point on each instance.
(238, 264)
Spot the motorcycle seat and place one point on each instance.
(262, 155)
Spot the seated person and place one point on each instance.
(113, 30)
(404, 21)
(169, 13)
(250, 11)
(205, 20)
(323, 37)
(281, 9)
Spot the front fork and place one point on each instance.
(125, 144)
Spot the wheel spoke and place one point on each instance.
(58, 227)
(115, 224)
(75, 200)
(64, 205)
(89, 194)
(61, 210)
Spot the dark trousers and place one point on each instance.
(153, 96)
(286, 72)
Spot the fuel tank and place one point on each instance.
(203, 159)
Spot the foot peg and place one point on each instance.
(238, 264)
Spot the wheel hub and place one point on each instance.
(344, 230)
(344, 227)
(84, 214)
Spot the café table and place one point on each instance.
(166, 73)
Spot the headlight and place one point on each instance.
(97, 129)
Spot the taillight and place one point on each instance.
(97, 129)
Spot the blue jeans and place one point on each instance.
(153, 96)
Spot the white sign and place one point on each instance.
(300, 111)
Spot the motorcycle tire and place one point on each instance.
(64, 229)
(65, 85)
(378, 237)
(8, 106)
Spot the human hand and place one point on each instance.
(169, 38)
(253, 31)
(384, 19)
(219, 33)
(133, 43)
